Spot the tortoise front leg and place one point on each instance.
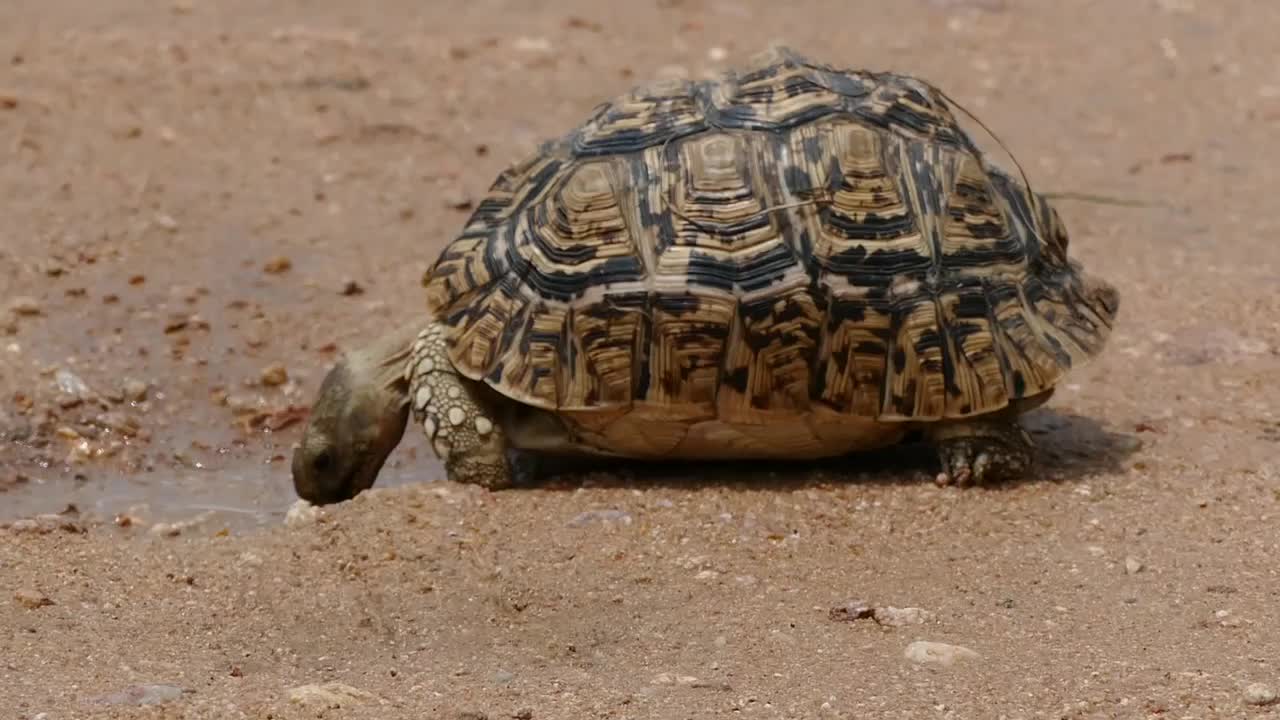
(452, 412)
(981, 451)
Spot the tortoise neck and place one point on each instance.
(383, 360)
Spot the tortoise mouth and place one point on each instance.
(324, 479)
(317, 496)
(319, 483)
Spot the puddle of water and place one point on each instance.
(239, 494)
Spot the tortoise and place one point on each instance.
(787, 261)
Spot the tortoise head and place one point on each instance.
(357, 419)
(1101, 296)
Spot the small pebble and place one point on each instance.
(457, 200)
(134, 390)
(118, 422)
(66, 402)
(31, 599)
(176, 322)
(277, 265)
(25, 305)
(274, 375)
(1259, 694)
(578, 23)
(936, 653)
(80, 452)
(532, 44)
(1133, 566)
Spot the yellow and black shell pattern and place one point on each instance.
(784, 239)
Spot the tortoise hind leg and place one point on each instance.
(978, 452)
(457, 421)
(987, 449)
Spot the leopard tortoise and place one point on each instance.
(789, 261)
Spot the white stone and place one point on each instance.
(302, 513)
(901, 617)
(1259, 694)
(329, 696)
(457, 416)
(936, 653)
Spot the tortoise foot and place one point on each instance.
(982, 453)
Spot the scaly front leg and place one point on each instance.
(454, 416)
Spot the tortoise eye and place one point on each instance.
(322, 461)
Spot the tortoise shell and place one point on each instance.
(787, 240)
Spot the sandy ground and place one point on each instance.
(204, 202)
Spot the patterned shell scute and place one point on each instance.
(787, 238)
